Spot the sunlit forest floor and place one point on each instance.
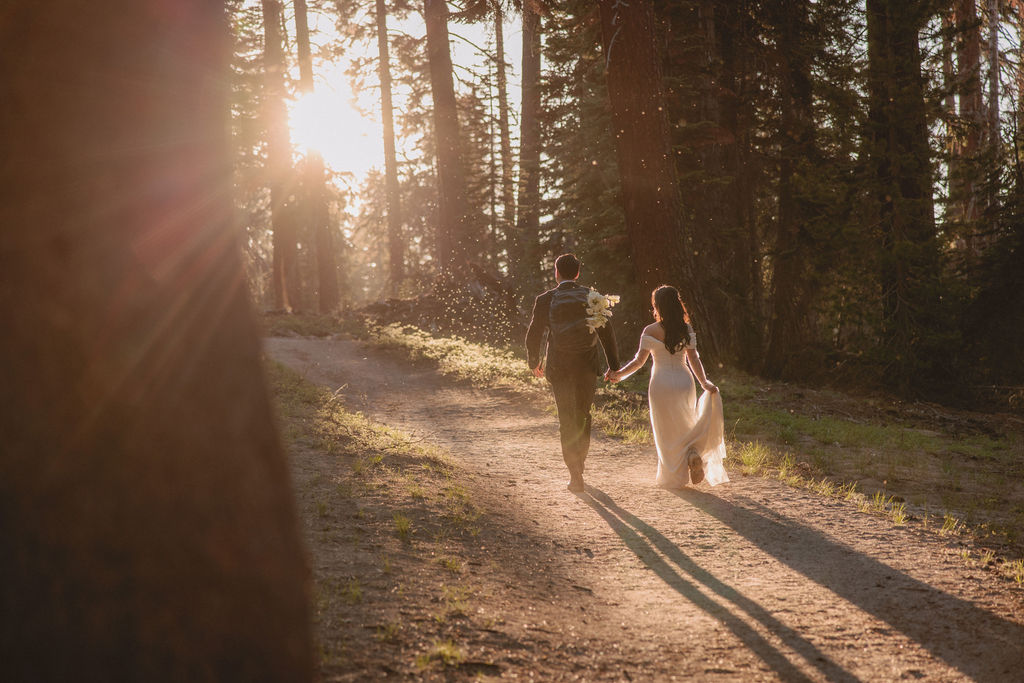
(445, 545)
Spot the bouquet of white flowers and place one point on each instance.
(599, 308)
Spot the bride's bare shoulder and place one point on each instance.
(655, 330)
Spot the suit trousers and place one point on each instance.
(574, 395)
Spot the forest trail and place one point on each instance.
(749, 580)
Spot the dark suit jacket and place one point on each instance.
(560, 361)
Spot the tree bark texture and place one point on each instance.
(314, 194)
(147, 529)
(794, 256)
(508, 201)
(393, 195)
(972, 119)
(722, 243)
(451, 181)
(650, 188)
(287, 283)
(994, 22)
(528, 202)
(899, 154)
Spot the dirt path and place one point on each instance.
(748, 581)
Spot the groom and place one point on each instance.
(573, 361)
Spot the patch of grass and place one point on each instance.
(455, 600)
(898, 513)
(452, 564)
(445, 652)
(460, 358)
(353, 592)
(403, 526)
(753, 456)
(950, 525)
(1016, 571)
(389, 632)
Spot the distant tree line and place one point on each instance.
(836, 186)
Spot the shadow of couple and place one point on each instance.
(976, 642)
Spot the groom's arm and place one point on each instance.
(535, 332)
(606, 335)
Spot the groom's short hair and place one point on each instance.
(568, 266)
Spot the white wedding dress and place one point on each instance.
(680, 422)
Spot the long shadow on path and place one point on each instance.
(680, 572)
(978, 643)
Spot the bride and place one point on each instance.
(689, 434)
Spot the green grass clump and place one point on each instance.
(403, 526)
(446, 652)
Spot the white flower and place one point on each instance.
(599, 308)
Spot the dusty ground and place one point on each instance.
(748, 581)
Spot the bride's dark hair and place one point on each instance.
(674, 317)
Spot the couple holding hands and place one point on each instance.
(689, 434)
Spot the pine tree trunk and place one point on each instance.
(708, 64)
(650, 188)
(315, 197)
(287, 292)
(899, 154)
(793, 275)
(450, 241)
(396, 245)
(982, 238)
(967, 181)
(993, 78)
(1018, 6)
(949, 86)
(147, 528)
(528, 202)
(512, 244)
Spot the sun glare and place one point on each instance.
(325, 121)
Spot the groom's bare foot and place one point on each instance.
(575, 485)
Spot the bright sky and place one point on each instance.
(350, 141)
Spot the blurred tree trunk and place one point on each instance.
(287, 284)
(147, 529)
(528, 203)
(396, 246)
(513, 245)
(315, 211)
(650, 188)
(451, 232)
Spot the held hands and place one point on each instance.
(538, 371)
(612, 376)
(710, 388)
